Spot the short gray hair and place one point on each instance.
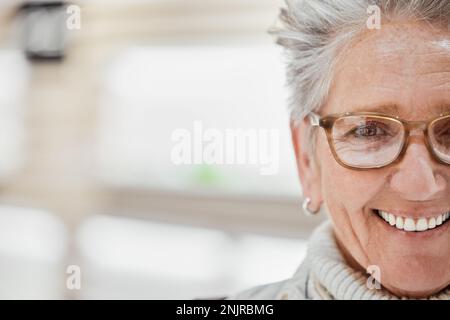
(313, 31)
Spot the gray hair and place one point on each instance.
(313, 32)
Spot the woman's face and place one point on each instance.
(404, 66)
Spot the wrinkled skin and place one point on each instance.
(406, 66)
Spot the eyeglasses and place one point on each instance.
(369, 140)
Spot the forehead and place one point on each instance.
(401, 65)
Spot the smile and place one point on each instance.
(413, 225)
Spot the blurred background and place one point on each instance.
(90, 95)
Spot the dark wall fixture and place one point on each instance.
(43, 29)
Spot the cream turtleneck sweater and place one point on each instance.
(323, 275)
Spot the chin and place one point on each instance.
(415, 277)
(415, 287)
(412, 264)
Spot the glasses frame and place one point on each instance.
(327, 123)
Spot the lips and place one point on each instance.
(409, 224)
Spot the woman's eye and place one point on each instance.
(367, 131)
(444, 137)
(446, 133)
(443, 134)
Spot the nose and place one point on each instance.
(415, 177)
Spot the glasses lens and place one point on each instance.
(440, 138)
(367, 141)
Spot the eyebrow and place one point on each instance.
(384, 108)
(394, 109)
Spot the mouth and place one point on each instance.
(408, 224)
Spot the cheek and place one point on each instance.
(346, 193)
(345, 188)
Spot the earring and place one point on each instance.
(306, 210)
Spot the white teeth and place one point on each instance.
(391, 219)
(410, 225)
(399, 223)
(422, 224)
(432, 223)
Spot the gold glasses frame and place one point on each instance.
(327, 123)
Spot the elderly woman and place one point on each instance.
(370, 125)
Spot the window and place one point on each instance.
(152, 91)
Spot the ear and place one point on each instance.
(308, 168)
